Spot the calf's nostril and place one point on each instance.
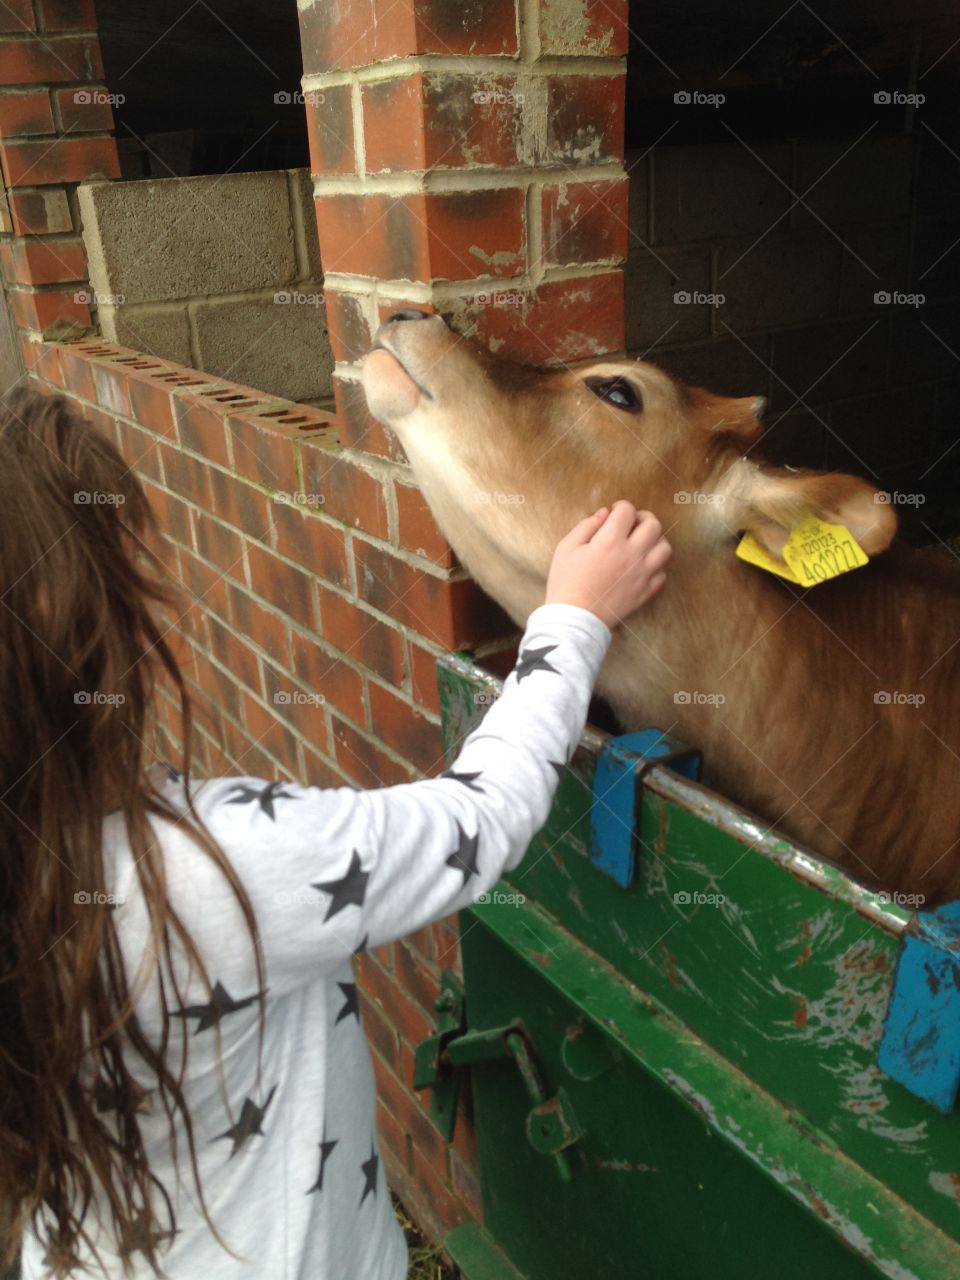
(408, 314)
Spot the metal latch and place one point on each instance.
(551, 1125)
(616, 786)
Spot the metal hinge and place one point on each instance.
(551, 1124)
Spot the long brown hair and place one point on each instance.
(82, 652)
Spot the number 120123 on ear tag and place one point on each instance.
(814, 552)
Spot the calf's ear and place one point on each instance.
(769, 503)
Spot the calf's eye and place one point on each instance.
(616, 391)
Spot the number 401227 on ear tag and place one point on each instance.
(814, 552)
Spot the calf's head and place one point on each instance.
(510, 457)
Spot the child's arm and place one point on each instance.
(332, 871)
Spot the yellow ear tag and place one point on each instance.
(814, 552)
(754, 552)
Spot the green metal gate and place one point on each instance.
(678, 1079)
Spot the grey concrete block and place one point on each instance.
(830, 361)
(779, 280)
(638, 172)
(727, 366)
(163, 332)
(182, 237)
(282, 349)
(854, 183)
(652, 283)
(708, 192)
(305, 224)
(875, 258)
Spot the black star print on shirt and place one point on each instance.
(534, 660)
(464, 857)
(466, 778)
(349, 891)
(560, 768)
(135, 1235)
(247, 1125)
(221, 1004)
(352, 1005)
(361, 945)
(272, 791)
(107, 1097)
(326, 1149)
(369, 1169)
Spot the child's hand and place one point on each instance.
(610, 563)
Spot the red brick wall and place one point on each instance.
(467, 159)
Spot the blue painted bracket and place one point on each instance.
(920, 1048)
(616, 788)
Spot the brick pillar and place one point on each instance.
(55, 131)
(467, 158)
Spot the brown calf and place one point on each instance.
(833, 712)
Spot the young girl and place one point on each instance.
(185, 1088)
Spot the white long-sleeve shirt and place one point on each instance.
(292, 1176)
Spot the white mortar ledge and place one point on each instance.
(411, 183)
(492, 65)
(456, 290)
